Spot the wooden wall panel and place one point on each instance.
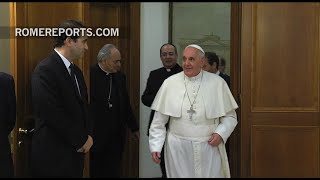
(280, 89)
(102, 15)
(279, 151)
(285, 72)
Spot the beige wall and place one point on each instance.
(154, 33)
(4, 41)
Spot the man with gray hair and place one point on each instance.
(202, 116)
(110, 111)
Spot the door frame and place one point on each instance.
(235, 76)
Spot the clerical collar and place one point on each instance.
(171, 69)
(194, 78)
(107, 73)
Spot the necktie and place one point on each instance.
(73, 77)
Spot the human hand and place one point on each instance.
(86, 147)
(156, 157)
(215, 139)
(80, 150)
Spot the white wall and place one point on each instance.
(4, 41)
(154, 33)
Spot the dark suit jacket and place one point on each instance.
(61, 120)
(226, 78)
(109, 125)
(155, 80)
(7, 122)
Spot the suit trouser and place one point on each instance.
(6, 165)
(105, 164)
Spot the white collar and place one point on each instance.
(64, 59)
(107, 73)
(194, 78)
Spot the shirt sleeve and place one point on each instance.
(227, 125)
(157, 132)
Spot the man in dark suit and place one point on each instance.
(168, 56)
(7, 123)
(211, 64)
(222, 67)
(111, 112)
(62, 133)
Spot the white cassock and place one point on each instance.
(187, 151)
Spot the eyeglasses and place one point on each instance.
(169, 53)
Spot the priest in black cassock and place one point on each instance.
(111, 111)
(168, 56)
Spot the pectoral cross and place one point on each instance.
(191, 112)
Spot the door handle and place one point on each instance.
(23, 131)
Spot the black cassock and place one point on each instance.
(111, 113)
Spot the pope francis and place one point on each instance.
(200, 110)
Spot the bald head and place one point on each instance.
(109, 58)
